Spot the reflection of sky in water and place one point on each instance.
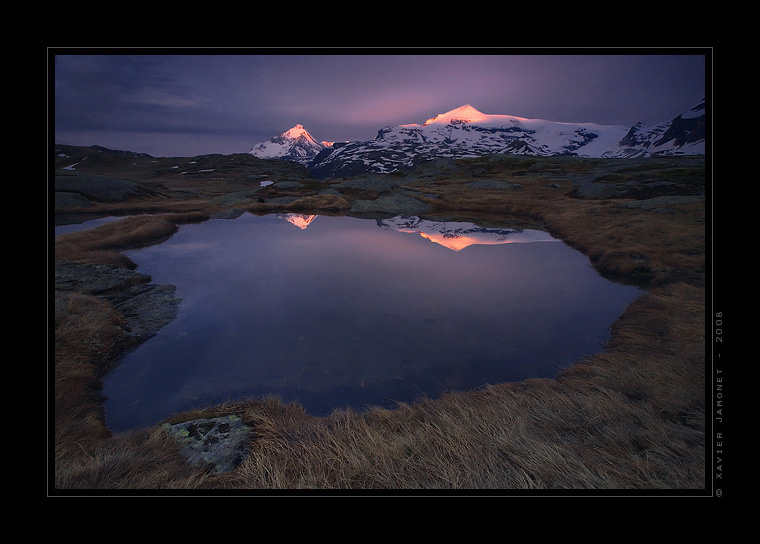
(75, 227)
(343, 313)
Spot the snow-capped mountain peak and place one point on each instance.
(462, 114)
(295, 144)
(297, 132)
(682, 135)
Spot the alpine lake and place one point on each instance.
(349, 313)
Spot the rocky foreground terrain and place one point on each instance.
(89, 181)
(623, 213)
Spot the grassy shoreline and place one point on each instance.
(631, 417)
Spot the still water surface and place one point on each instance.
(335, 312)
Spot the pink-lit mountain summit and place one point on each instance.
(295, 144)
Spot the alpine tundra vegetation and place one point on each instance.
(631, 417)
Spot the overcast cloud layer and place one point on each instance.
(191, 104)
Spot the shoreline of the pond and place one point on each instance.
(168, 311)
(325, 413)
(564, 379)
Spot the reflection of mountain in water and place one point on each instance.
(455, 235)
(459, 235)
(300, 220)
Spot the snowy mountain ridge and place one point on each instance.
(467, 132)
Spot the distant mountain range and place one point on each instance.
(467, 132)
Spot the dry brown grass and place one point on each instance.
(141, 460)
(631, 417)
(102, 244)
(87, 334)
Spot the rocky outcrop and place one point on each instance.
(218, 443)
(80, 189)
(146, 306)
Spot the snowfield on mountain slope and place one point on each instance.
(467, 132)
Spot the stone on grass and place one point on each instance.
(216, 442)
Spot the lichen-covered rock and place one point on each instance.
(216, 442)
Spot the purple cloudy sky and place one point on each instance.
(200, 101)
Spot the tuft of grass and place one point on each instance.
(102, 244)
(147, 459)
